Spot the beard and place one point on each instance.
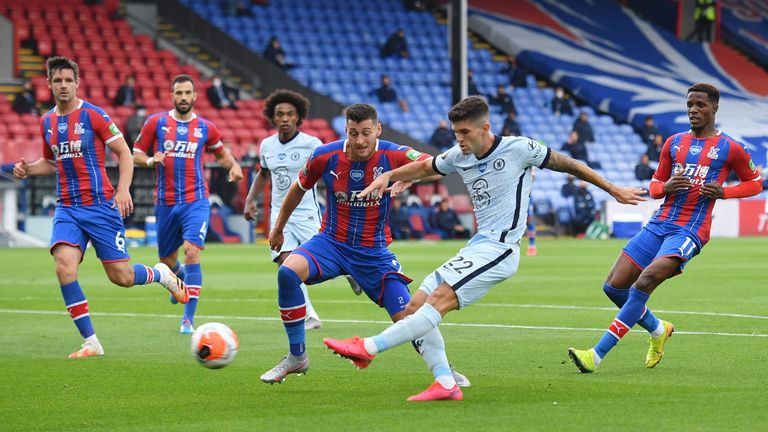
(181, 110)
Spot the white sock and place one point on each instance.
(596, 356)
(93, 339)
(411, 328)
(310, 309)
(433, 353)
(659, 330)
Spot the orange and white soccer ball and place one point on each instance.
(214, 345)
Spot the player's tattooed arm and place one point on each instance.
(560, 162)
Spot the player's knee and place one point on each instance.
(287, 279)
(411, 308)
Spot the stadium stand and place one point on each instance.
(105, 58)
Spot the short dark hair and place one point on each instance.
(286, 96)
(182, 78)
(470, 108)
(713, 94)
(58, 63)
(358, 113)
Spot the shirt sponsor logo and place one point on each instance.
(697, 173)
(181, 149)
(353, 200)
(356, 174)
(67, 150)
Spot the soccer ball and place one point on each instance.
(214, 345)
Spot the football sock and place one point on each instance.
(411, 328)
(77, 305)
(433, 351)
(143, 275)
(310, 309)
(531, 234)
(180, 271)
(627, 317)
(619, 296)
(293, 310)
(194, 281)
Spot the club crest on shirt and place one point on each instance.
(695, 149)
(377, 171)
(713, 153)
(198, 133)
(79, 129)
(356, 174)
(498, 164)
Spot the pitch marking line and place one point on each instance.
(444, 324)
(493, 305)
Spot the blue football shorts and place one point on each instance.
(662, 239)
(370, 267)
(99, 223)
(179, 222)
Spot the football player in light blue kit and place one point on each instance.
(281, 157)
(497, 172)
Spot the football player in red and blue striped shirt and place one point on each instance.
(75, 136)
(353, 237)
(692, 168)
(176, 140)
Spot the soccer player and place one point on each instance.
(281, 156)
(497, 172)
(692, 168)
(352, 240)
(75, 134)
(177, 139)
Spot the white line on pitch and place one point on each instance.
(444, 324)
(493, 305)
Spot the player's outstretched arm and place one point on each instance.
(408, 172)
(625, 195)
(256, 187)
(40, 167)
(123, 200)
(291, 201)
(228, 161)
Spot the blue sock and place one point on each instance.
(531, 234)
(194, 281)
(293, 308)
(180, 271)
(77, 305)
(619, 297)
(628, 316)
(143, 275)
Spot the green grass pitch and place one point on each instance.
(512, 346)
